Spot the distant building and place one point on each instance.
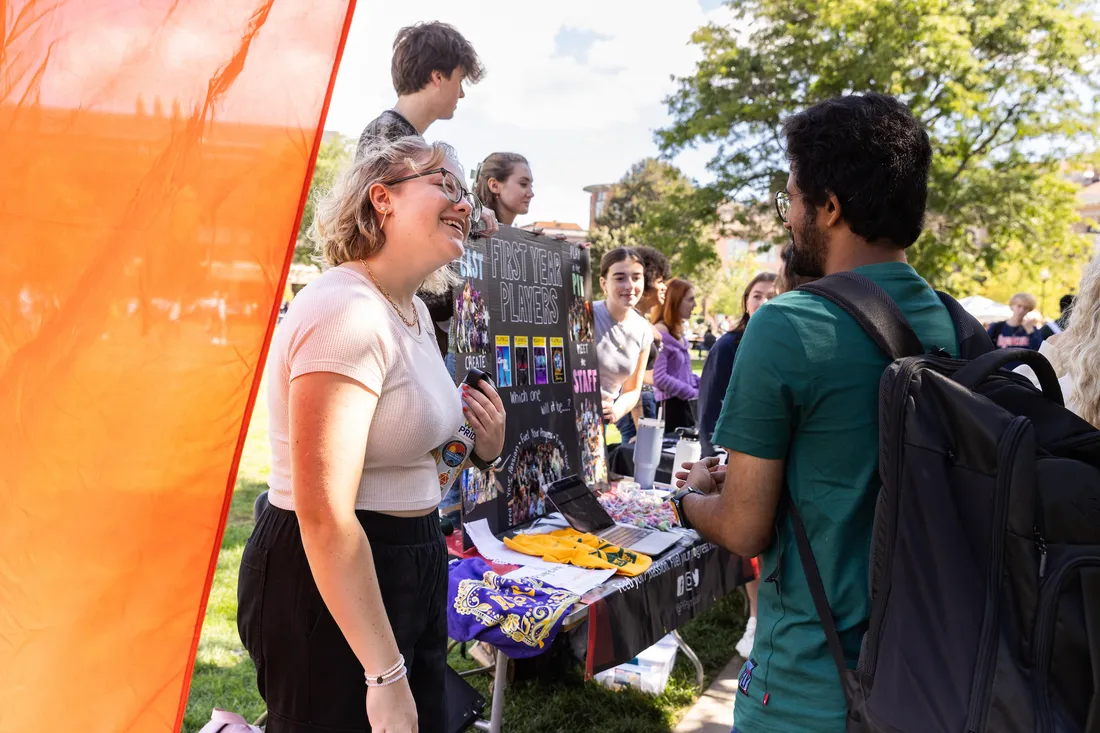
(599, 193)
(567, 229)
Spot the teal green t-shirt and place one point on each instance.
(805, 389)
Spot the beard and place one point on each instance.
(807, 248)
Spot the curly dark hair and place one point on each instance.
(656, 266)
(871, 152)
(423, 48)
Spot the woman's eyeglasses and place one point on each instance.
(451, 186)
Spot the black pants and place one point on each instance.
(307, 673)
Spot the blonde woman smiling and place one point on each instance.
(343, 584)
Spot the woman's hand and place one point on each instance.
(609, 409)
(391, 709)
(485, 412)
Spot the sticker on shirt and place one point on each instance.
(745, 678)
(557, 359)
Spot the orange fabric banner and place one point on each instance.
(154, 158)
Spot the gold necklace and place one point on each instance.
(415, 322)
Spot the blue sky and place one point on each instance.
(576, 86)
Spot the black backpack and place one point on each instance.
(985, 553)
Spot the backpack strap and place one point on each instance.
(973, 339)
(817, 592)
(874, 310)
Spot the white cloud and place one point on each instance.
(578, 123)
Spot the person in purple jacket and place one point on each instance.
(674, 384)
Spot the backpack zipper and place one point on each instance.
(943, 367)
(985, 662)
(1045, 637)
(879, 609)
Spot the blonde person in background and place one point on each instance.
(1075, 353)
(343, 584)
(1016, 332)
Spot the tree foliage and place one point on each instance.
(1004, 87)
(656, 205)
(333, 157)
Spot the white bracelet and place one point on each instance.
(400, 676)
(385, 677)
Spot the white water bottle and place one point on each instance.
(450, 456)
(688, 449)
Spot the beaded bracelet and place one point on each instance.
(388, 676)
(400, 676)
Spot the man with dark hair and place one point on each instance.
(1064, 306)
(430, 63)
(802, 404)
(658, 271)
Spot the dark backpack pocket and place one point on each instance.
(1068, 642)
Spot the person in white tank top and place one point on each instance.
(343, 583)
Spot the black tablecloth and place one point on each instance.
(628, 615)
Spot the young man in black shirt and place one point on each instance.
(430, 63)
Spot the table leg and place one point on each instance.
(500, 682)
(690, 654)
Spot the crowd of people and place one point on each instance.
(788, 392)
(537, 465)
(347, 568)
(590, 429)
(472, 323)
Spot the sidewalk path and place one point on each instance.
(713, 712)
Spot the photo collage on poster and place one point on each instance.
(524, 315)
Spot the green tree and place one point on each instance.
(655, 204)
(333, 157)
(999, 84)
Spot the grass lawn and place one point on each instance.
(225, 677)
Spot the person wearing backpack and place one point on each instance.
(801, 408)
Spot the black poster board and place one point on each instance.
(524, 315)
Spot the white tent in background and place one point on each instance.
(984, 309)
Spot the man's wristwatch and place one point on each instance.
(677, 501)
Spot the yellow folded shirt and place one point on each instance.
(583, 550)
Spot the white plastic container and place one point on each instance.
(648, 672)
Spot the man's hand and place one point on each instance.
(705, 475)
(489, 225)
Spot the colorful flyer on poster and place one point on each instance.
(504, 362)
(557, 359)
(521, 355)
(541, 370)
